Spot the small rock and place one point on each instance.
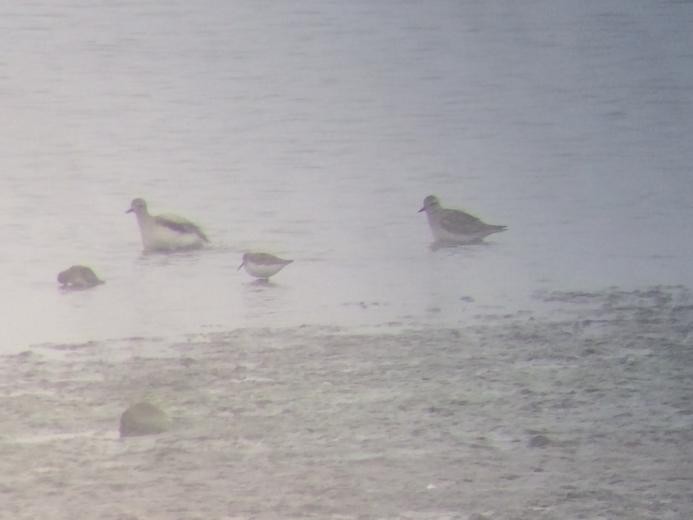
(478, 516)
(143, 419)
(187, 362)
(539, 441)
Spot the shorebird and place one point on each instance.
(78, 277)
(166, 233)
(263, 265)
(455, 226)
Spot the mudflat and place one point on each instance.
(585, 414)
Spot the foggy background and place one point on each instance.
(314, 130)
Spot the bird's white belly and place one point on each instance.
(161, 238)
(444, 235)
(460, 236)
(262, 270)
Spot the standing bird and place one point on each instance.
(455, 226)
(166, 233)
(263, 265)
(78, 277)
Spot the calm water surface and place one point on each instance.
(314, 130)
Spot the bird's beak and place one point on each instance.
(129, 210)
(422, 209)
(239, 267)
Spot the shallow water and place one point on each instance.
(314, 131)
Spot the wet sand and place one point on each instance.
(584, 414)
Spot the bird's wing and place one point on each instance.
(268, 259)
(456, 221)
(180, 225)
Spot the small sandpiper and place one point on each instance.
(263, 265)
(455, 226)
(78, 277)
(166, 233)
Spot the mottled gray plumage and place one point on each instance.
(456, 226)
(78, 277)
(263, 265)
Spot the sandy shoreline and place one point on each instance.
(589, 415)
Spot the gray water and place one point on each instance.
(314, 130)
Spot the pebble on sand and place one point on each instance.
(539, 441)
(143, 419)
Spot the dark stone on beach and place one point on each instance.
(539, 441)
(187, 362)
(478, 516)
(143, 419)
